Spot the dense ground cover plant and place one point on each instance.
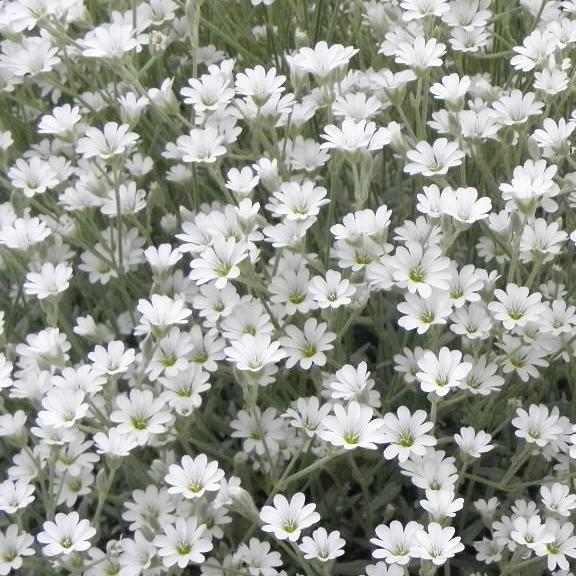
(287, 287)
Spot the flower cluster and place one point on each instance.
(287, 287)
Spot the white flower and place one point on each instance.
(406, 433)
(114, 359)
(558, 499)
(537, 426)
(332, 291)
(113, 140)
(218, 263)
(296, 201)
(438, 544)
(473, 443)
(183, 543)
(201, 145)
(140, 415)
(420, 269)
(421, 313)
(516, 307)
(51, 280)
(353, 136)
(66, 534)
(286, 519)
(109, 41)
(352, 427)
(258, 558)
(396, 543)
(13, 546)
(322, 546)
(15, 496)
(439, 373)
(420, 53)
(194, 477)
(530, 532)
(307, 346)
(322, 60)
(33, 177)
(430, 160)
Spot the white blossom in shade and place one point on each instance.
(530, 532)
(137, 554)
(521, 358)
(441, 504)
(113, 140)
(218, 263)
(140, 414)
(323, 545)
(433, 471)
(516, 307)
(383, 569)
(352, 427)
(557, 499)
(15, 496)
(307, 414)
(472, 443)
(65, 535)
(421, 313)
(322, 60)
(539, 425)
(307, 346)
(354, 135)
(420, 269)
(333, 291)
(439, 373)
(438, 544)
(406, 434)
(14, 545)
(114, 359)
(430, 160)
(258, 558)
(562, 546)
(126, 200)
(286, 519)
(183, 543)
(194, 477)
(262, 431)
(396, 543)
(50, 281)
